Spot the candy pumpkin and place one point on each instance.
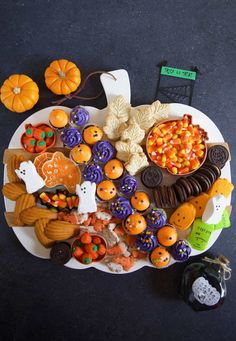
(62, 77)
(19, 93)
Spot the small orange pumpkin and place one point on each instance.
(19, 93)
(62, 77)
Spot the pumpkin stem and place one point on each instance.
(62, 74)
(16, 90)
(82, 86)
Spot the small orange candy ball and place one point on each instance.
(106, 190)
(167, 235)
(58, 118)
(92, 134)
(140, 201)
(114, 169)
(135, 224)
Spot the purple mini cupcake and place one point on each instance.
(121, 208)
(79, 116)
(93, 173)
(103, 151)
(156, 218)
(128, 185)
(146, 241)
(70, 137)
(180, 251)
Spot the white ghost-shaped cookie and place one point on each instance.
(86, 192)
(214, 209)
(28, 173)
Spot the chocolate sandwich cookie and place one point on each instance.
(165, 197)
(203, 181)
(180, 193)
(184, 183)
(172, 197)
(208, 172)
(60, 253)
(218, 155)
(214, 168)
(151, 177)
(195, 185)
(157, 193)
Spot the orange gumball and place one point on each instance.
(106, 190)
(135, 224)
(81, 153)
(140, 201)
(92, 134)
(58, 118)
(167, 235)
(114, 169)
(160, 257)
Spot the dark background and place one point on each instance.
(40, 301)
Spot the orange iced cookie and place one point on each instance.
(61, 171)
(40, 160)
(114, 169)
(221, 186)
(183, 217)
(126, 262)
(135, 224)
(199, 203)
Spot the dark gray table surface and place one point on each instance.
(40, 301)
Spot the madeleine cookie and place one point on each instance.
(12, 190)
(30, 215)
(12, 164)
(39, 230)
(22, 202)
(61, 230)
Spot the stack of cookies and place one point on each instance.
(186, 187)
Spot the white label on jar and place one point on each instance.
(204, 292)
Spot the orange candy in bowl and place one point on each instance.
(177, 145)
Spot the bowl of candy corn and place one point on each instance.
(38, 138)
(177, 145)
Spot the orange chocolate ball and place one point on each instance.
(167, 235)
(106, 190)
(58, 118)
(140, 201)
(81, 153)
(160, 257)
(135, 223)
(114, 169)
(92, 134)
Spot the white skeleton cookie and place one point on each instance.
(28, 173)
(86, 192)
(214, 209)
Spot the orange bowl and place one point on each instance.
(77, 242)
(159, 128)
(47, 147)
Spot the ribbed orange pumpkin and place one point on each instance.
(62, 77)
(19, 93)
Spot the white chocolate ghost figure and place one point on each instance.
(28, 173)
(86, 192)
(214, 209)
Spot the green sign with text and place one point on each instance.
(179, 73)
